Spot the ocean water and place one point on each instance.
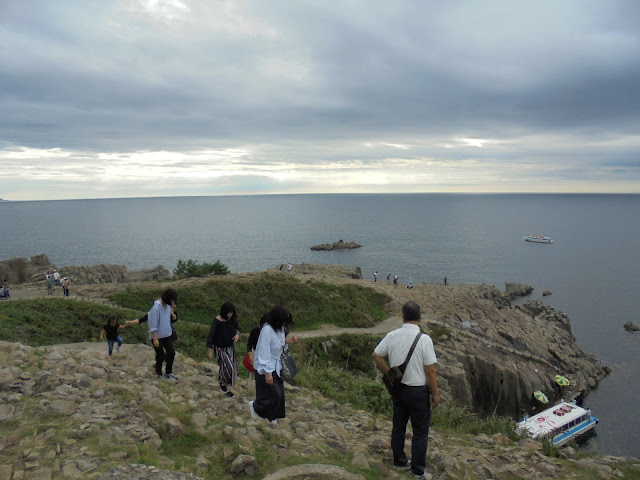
(593, 268)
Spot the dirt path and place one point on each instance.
(381, 328)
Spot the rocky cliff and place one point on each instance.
(22, 270)
(339, 245)
(67, 411)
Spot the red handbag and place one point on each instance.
(248, 363)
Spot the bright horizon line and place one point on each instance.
(321, 193)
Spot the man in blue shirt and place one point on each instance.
(160, 333)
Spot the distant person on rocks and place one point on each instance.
(281, 267)
(270, 400)
(111, 329)
(56, 278)
(395, 279)
(6, 290)
(388, 277)
(419, 380)
(159, 318)
(445, 279)
(410, 286)
(66, 285)
(224, 333)
(289, 267)
(375, 276)
(49, 282)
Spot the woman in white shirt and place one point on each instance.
(270, 401)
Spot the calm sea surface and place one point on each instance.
(593, 268)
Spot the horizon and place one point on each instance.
(329, 193)
(140, 98)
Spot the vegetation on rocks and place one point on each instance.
(70, 412)
(191, 268)
(311, 303)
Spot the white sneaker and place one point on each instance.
(252, 411)
(424, 476)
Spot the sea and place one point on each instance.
(592, 268)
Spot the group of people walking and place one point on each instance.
(56, 280)
(266, 343)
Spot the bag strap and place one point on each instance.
(413, 347)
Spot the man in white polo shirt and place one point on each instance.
(412, 399)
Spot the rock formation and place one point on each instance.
(20, 270)
(339, 245)
(513, 290)
(631, 327)
(66, 411)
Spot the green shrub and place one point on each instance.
(191, 268)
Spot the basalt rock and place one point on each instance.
(631, 327)
(513, 290)
(21, 269)
(339, 245)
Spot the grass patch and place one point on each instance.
(311, 303)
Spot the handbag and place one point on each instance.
(289, 367)
(393, 378)
(248, 362)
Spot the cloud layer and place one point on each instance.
(204, 97)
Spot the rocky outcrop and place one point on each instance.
(339, 245)
(21, 269)
(322, 272)
(514, 290)
(631, 327)
(155, 273)
(491, 357)
(66, 411)
(95, 274)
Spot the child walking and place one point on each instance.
(111, 328)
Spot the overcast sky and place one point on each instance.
(134, 98)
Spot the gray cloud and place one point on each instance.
(308, 84)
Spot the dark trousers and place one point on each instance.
(269, 402)
(166, 351)
(411, 403)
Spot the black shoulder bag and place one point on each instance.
(393, 378)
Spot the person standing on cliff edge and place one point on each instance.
(419, 381)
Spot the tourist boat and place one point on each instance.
(537, 239)
(564, 422)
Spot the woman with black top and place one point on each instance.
(223, 335)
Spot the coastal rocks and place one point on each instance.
(127, 416)
(631, 327)
(155, 273)
(20, 269)
(96, 274)
(339, 245)
(546, 293)
(334, 271)
(513, 290)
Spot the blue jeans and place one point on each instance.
(411, 403)
(111, 342)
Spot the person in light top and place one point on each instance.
(160, 333)
(270, 400)
(419, 381)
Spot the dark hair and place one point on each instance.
(168, 295)
(226, 308)
(113, 319)
(279, 317)
(264, 319)
(411, 311)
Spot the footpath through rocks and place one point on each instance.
(68, 411)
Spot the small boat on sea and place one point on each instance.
(566, 421)
(537, 239)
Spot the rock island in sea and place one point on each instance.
(72, 401)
